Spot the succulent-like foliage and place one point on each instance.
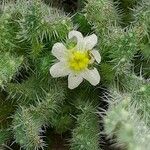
(139, 89)
(142, 21)
(86, 132)
(9, 66)
(28, 122)
(123, 122)
(102, 14)
(118, 46)
(32, 103)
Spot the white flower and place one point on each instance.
(76, 62)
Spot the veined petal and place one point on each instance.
(96, 55)
(90, 42)
(58, 50)
(59, 70)
(92, 76)
(74, 81)
(78, 37)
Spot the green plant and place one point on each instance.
(32, 102)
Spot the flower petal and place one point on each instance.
(90, 41)
(59, 70)
(96, 55)
(58, 50)
(74, 81)
(78, 37)
(92, 76)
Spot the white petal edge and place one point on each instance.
(59, 70)
(58, 50)
(90, 41)
(96, 55)
(92, 76)
(79, 38)
(74, 81)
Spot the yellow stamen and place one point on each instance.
(79, 60)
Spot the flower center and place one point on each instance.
(78, 60)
